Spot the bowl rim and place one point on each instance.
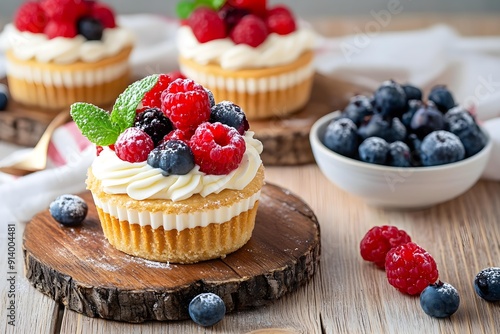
(315, 141)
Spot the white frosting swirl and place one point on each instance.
(61, 50)
(141, 181)
(276, 49)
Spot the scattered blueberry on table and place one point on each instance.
(69, 210)
(207, 309)
(440, 300)
(428, 132)
(487, 284)
(4, 97)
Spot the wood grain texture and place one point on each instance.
(80, 269)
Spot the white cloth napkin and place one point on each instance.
(469, 66)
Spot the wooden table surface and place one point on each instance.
(348, 295)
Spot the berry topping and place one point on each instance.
(399, 155)
(64, 10)
(390, 99)
(440, 300)
(230, 114)
(374, 150)
(441, 147)
(55, 29)
(487, 284)
(280, 21)
(154, 123)
(4, 97)
(133, 145)
(218, 149)
(69, 210)
(176, 75)
(341, 137)
(426, 120)
(207, 309)
(90, 28)
(178, 135)
(186, 103)
(379, 240)
(251, 30)
(442, 98)
(174, 157)
(412, 92)
(207, 25)
(410, 269)
(358, 109)
(257, 7)
(211, 97)
(30, 17)
(152, 99)
(104, 14)
(232, 15)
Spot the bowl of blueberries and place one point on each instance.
(396, 149)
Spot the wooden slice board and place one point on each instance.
(285, 140)
(80, 269)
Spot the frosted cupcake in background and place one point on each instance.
(62, 51)
(258, 57)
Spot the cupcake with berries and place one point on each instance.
(177, 177)
(261, 58)
(62, 51)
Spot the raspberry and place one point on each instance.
(230, 114)
(178, 135)
(186, 103)
(410, 269)
(278, 10)
(98, 150)
(207, 25)
(104, 14)
(64, 10)
(176, 75)
(154, 123)
(257, 7)
(379, 240)
(280, 21)
(218, 149)
(30, 17)
(133, 145)
(152, 99)
(60, 29)
(250, 30)
(173, 157)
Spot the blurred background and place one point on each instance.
(306, 9)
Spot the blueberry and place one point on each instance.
(154, 123)
(341, 137)
(426, 120)
(440, 300)
(390, 100)
(358, 108)
(90, 28)
(230, 114)
(69, 210)
(462, 124)
(442, 98)
(390, 130)
(458, 120)
(173, 157)
(413, 106)
(4, 97)
(487, 284)
(412, 92)
(207, 309)
(414, 144)
(399, 155)
(441, 147)
(211, 97)
(474, 140)
(374, 150)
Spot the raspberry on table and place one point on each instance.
(154, 123)
(186, 104)
(30, 17)
(206, 25)
(218, 149)
(410, 268)
(173, 157)
(379, 240)
(230, 114)
(133, 145)
(280, 21)
(251, 30)
(152, 99)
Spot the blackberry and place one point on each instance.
(441, 147)
(4, 97)
(426, 120)
(374, 150)
(90, 28)
(440, 300)
(442, 98)
(358, 108)
(154, 123)
(341, 137)
(232, 15)
(173, 157)
(207, 309)
(390, 100)
(69, 210)
(399, 155)
(211, 97)
(412, 92)
(487, 284)
(230, 114)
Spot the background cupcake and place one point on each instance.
(62, 51)
(258, 57)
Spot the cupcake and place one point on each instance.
(177, 177)
(63, 51)
(260, 58)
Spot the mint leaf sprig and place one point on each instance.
(99, 126)
(186, 7)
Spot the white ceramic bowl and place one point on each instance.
(396, 187)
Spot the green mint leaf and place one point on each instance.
(123, 113)
(217, 4)
(94, 123)
(184, 9)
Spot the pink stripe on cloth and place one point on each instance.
(79, 139)
(54, 155)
